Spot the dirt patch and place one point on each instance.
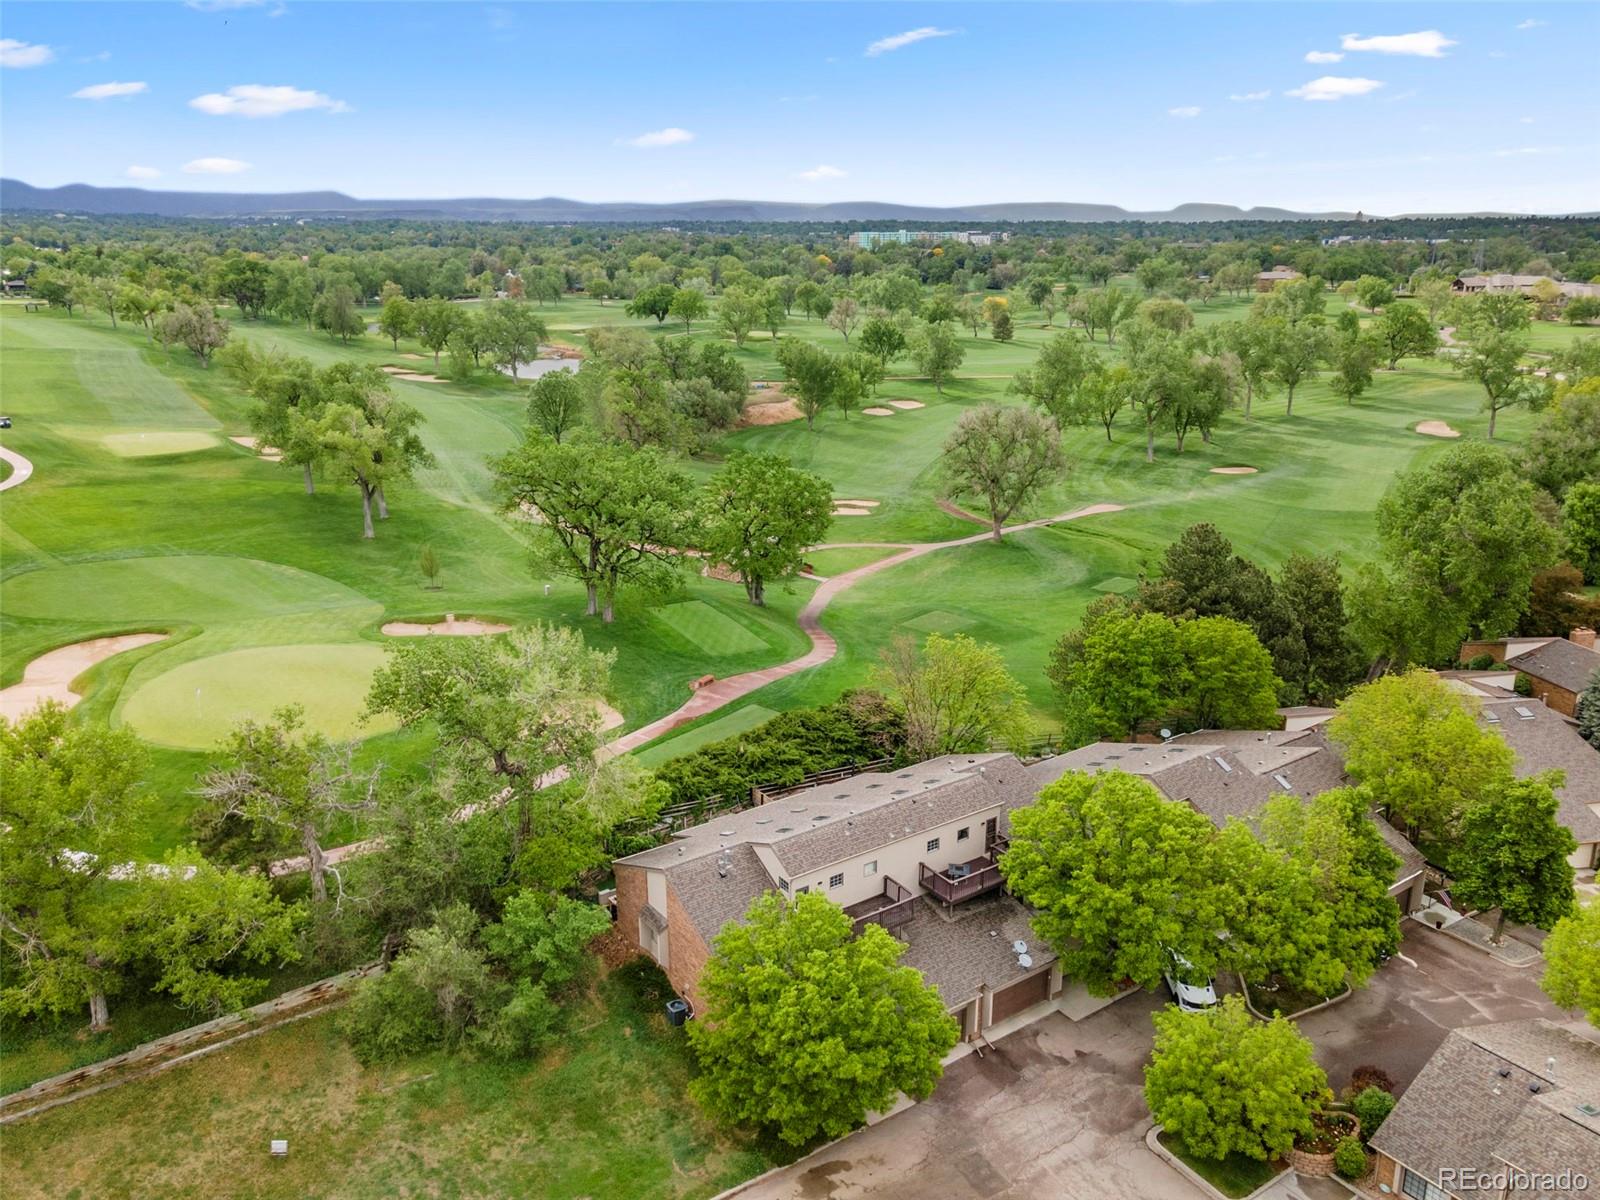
(610, 718)
(721, 572)
(1437, 429)
(451, 626)
(559, 350)
(50, 676)
(878, 412)
(1234, 470)
(908, 404)
(270, 453)
(769, 411)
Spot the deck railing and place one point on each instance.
(895, 905)
(983, 877)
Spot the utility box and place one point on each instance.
(677, 1011)
(280, 1147)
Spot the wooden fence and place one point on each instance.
(181, 1046)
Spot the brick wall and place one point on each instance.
(686, 951)
(1386, 1171)
(1559, 699)
(1471, 650)
(631, 889)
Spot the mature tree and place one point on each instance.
(1572, 961)
(1119, 672)
(1223, 1083)
(605, 513)
(1311, 591)
(1352, 359)
(1374, 292)
(1081, 857)
(1580, 528)
(71, 810)
(281, 387)
(1005, 455)
(1493, 360)
(1230, 683)
(937, 352)
(761, 514)
(397, 319)
(336, 312)
(954, 696)
(1564, 447)
(844, 315)
(1160, 369)
(1172, 315)
(1001, 329)
(653, 301)
(1205, 392)
(1405, 331)
(361, 432)
(883, 338)
(1108, 309)
(198, 327)
(245, 281)
(1512, 854)
(1251, 345)
(689, 305)
(816, 378)
(740, 310)
(1297, 348)
(807, 1028)
(1462, 538)
(1414, 744)
(1056, 376)
(280, 775)
(1433, 295)
(509, 711)
(556, 403)
(513, 332)
(436, 321)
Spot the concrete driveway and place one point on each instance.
(1398, 1020)
(1058, 1109)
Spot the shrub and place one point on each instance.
(1523, 685)
(858, 727)
(1371, 1105)
(1368, 1076)
(1480, 662)
(1349, 1158)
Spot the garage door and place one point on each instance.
(1008, 1002)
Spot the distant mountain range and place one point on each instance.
(16, 195)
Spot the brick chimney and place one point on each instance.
(1582, 636)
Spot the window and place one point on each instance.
(801, 891)
(783, 883)
(836, 880)
(871, 868)
(1419, 1188)
(933, 844)
(963, 834)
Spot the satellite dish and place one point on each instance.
(1165, 734)
(1019, 947)
(1024, 961)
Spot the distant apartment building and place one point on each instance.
(1267, 280)
(1522, 285)
(867, 239)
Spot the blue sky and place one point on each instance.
(1401, 107)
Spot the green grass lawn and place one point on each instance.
(1237, 1175)
(604, 1113)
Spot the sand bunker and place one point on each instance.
(878, 412)
(412, 376)
(1437, 429)
(769, 412)
(859, 503)
(451, 626)
(1234, 470)
(851, 512)
(50, 676)
(908, 404)
(270, 453)
(610, 718)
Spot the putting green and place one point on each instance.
(193, 707)
(707, 629)
(937, 620)
(726, 726)
(148, 443)
(204, 588)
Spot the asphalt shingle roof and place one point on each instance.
(1462, 1113)
(1563, 663)
(1549, 741)
(976, 948)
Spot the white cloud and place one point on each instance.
(1531, 23)
(656, 138)
(138, 172)
(1334, 87)
(214, 166)
(259, 100)
(820, 172)
(1525, 120)
(1429, 43)
(1250, 96)
(24, 54)
(1521, 151)
(1324, 56)
(909, 37)
(1225, 158)
(1186, 111)
(108, 91)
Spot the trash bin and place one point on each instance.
(677, 1012)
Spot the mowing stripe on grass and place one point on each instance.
(709, 630)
